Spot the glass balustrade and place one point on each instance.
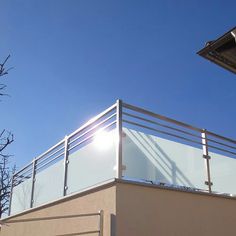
(157, 160)
(153, 149)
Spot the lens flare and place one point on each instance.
(103, 140)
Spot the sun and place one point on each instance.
(103, 140)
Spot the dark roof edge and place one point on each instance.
(215, 43)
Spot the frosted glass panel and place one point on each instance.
(21, 197)
(150, 158)
(49, 184)
(92, 164)
(223, 173)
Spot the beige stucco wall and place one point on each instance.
(101, 198)
(151, 211)
(132, 210)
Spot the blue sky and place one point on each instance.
(72, 59)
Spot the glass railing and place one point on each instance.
(161, 161)
(131, 143)
(79, 161)
(160, 150)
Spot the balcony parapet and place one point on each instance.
(128, 142)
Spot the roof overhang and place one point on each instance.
(222, 51)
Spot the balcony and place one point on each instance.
(129, 143)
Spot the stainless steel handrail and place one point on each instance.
(221, 149)
(38, 167)
(92, 128)
(175, 122)
(50, 149)
(93, 120)
(22, 173)
(183, 138)
(160, 131)
(49, 156)
(221, 137)
(45, 157)
(159, 124)
(132, 115)
(22, 169)
(72, 134)
(223, 144)
(90, 136)
(146, 112)
(161, 117)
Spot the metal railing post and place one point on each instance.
(101, 222)
(33, 183)
(119, 139)
(66, 162)
(207, 159)
(10, 198)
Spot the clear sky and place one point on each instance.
(74, 58)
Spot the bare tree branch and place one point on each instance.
(3, 70)
(6, 138)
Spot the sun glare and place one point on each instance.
(103, 140)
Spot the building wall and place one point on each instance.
(101, 198)
(131, 210)
(152, 211)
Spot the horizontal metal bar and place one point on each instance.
(52, 218)
(82, 233)
(162, 132)
(47, 157)
(223, 144)
(221, 137)
(48, 162)
(93, 120)
(179, 130)
(91, 129)
(22, 179)
(50, 149)
(25, 172)
(221, 149)
(162, 125)
(177, 136)
(71, 135)
(22, 169)
(90, 136)
(141, 110)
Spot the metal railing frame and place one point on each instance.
(207, 159)
(120, 111)
(203, 135)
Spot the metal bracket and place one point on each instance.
(66, 162)
(206, 157)
(207, 183)
(123, 134)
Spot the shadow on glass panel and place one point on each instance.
(162, 161)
